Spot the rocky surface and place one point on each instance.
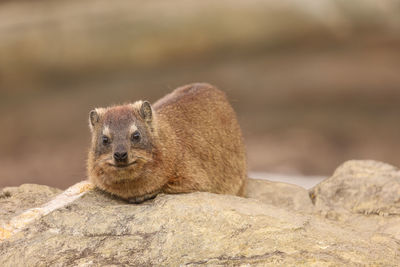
(283, 195)
(14, 200)
(362, 194)
(360, 187)
(282, 226)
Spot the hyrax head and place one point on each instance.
(122, 141)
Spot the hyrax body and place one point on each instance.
(188, 141)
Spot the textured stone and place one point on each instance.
(364, 195)
(362, 187)
(282, 195)
(14, 200)
(204, 228)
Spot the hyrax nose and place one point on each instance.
(120, 156)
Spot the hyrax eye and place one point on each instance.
(105, 140)
(135, 137)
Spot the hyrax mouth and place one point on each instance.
(122, 166)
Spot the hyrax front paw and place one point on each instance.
(140, 199)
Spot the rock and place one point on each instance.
(362, 187)
(187, 229)
(282, 195)
(14, 200)
(362, 194)
(209, 229)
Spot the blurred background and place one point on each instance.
(314, 83)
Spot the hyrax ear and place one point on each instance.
(146, 112)
(94, 118)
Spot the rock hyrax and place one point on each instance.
(189, 140)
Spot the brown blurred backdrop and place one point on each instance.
(314, 83)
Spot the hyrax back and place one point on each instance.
(188, 141)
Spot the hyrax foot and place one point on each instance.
(140, 199)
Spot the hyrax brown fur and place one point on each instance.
(188, 141)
